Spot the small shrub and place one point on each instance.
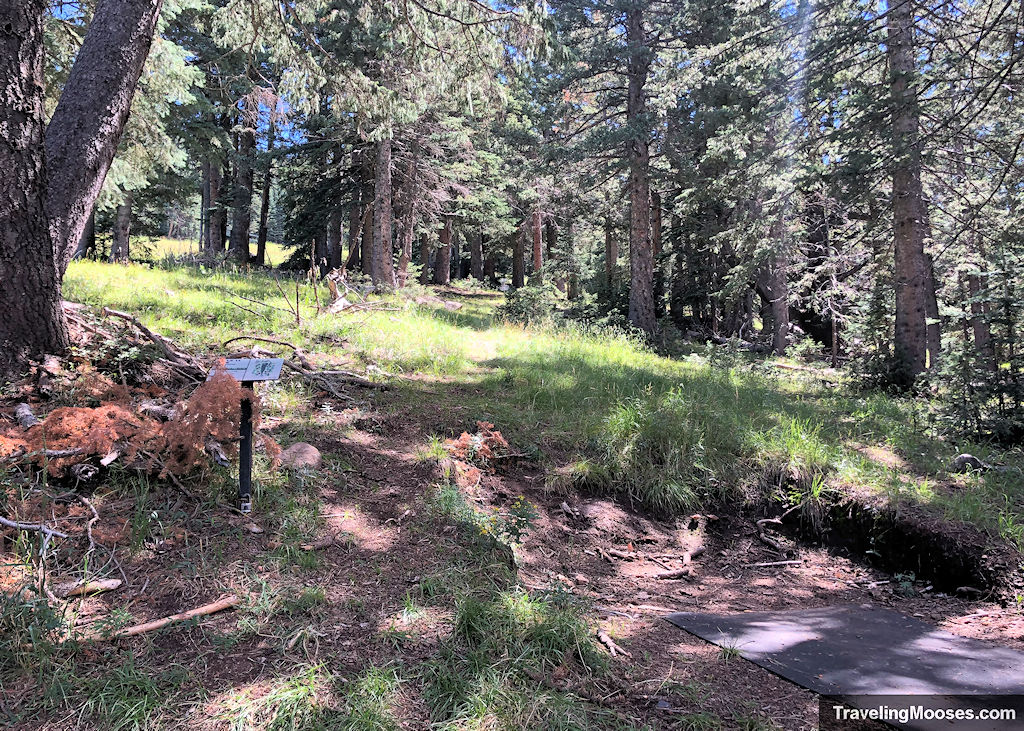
(528, 305)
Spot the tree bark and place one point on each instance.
(119, 251)
(476, 255)
(641, 259)
(88, 241)
(215, 214)
(86, 126)
(408, 218)
(355, 223)
(538, 251)
(772, 285)
(242, 203)
(519, 258)
(443, 259)
(911, 271)
(425, 270)
(611, 252)
(334, 242)
(490, 268)
(366, 254)
(383, 255)
(30, 295)
(268, 180)
(204, 206)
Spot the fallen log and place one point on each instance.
(684, 573)
(87, 588)
(23, 413)
(218, 606)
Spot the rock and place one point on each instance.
(301, 456)
(967, 463)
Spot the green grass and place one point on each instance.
(669, 434)
(159, 248)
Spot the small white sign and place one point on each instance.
(251, 369)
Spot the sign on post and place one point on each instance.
(248, 371)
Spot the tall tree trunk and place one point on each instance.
(980, 326)
(268, 180)
(215, 213)
(355, 223)
(519, 257)
(538, 251)
(334, 242)
(242, 203)
(550, 243)
(490, 268)
(204, 206)
(366, 254)
(321, 254)
(611, 252)
(86, 126)
(772, 285)
(476, 255)
(121, 238)
(659, 265)
(30, 295)
(408, 217)
(443, 259)
(408, 235)
(425, 270)
(641, 259)
(573, 292)
(88, 240)
(383, 248)
(911, 270)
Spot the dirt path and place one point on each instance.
(610, 556)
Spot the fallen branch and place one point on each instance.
(684, 573)
(172, 354)
(88, 526)
(690, 555)
(765, 564)
(87, 588)
(32, 527)
(608, 642)
(299, 352)
(220, 605)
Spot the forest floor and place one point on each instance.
(382, 592)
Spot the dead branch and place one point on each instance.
(221, 604)
(684, 573)
(87, 588)
(299, 352)
(690, 555)
(46, 531)
(608, 642)
(92, 521)
(176, 357)
(765, 564)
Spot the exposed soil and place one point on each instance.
(373, 492)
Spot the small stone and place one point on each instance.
(581, 579)
(301, 456)
(253, 528)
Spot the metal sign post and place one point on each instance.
(248, 371)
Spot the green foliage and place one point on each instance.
(529, 305)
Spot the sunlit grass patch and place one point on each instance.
(485, 676)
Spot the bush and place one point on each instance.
(529, 305)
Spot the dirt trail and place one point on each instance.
(668, 673)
